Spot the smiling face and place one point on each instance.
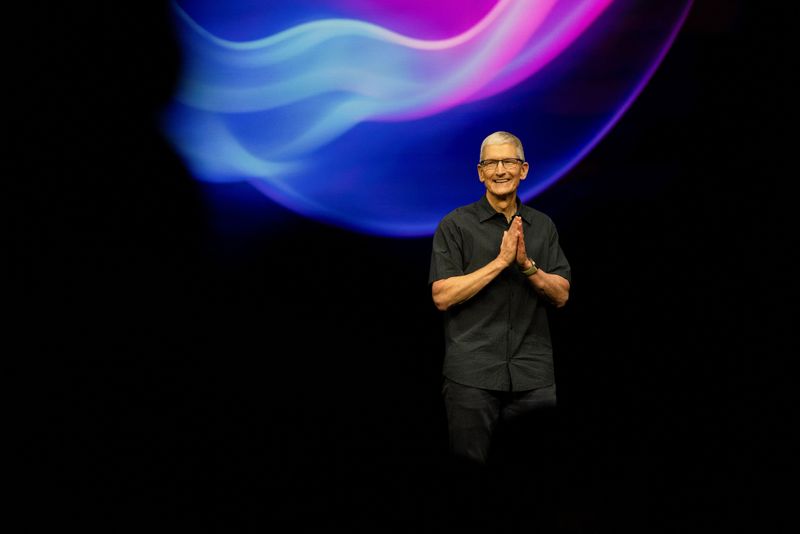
(501, 182)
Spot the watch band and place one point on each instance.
(532, 269)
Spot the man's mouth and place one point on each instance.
(502, 180)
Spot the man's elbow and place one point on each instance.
(561, 300)
(440, 303)
(439, 295)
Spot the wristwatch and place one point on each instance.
(532, 269)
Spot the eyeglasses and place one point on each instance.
(510, 164)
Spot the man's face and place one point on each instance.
(502, 180)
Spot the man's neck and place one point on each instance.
(505, 205)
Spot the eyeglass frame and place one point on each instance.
(484, 162)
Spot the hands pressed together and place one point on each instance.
(512, 248)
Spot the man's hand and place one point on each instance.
(509, 246)
(521, 255)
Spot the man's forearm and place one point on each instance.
(553, 287)
(458, 289)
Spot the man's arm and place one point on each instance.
(454, 290)
(553, 287)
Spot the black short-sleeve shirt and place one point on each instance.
(500, 338)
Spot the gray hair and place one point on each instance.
(503, 138)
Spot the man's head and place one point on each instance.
(502, 165)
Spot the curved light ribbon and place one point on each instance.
(294, 113)
(352, 71)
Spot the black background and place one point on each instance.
(181, 373)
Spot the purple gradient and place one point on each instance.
(322, 111)
(423, 19)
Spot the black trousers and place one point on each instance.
(473, 414)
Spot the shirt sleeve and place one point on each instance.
(447, 258)
(557, 261)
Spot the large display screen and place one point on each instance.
(370, 115)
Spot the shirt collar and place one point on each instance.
(486, 211)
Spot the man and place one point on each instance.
(496, 267)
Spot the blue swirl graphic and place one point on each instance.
(370, 129)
